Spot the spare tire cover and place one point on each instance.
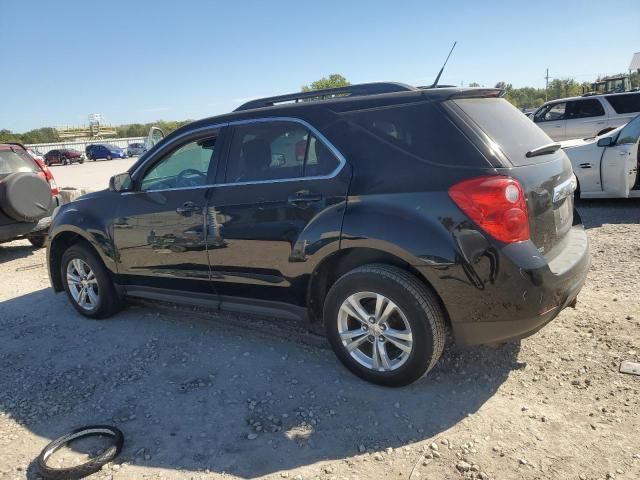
(25, 197)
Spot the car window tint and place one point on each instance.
(625, 103)
(267, 151)
(631, 132)
(188, 166)
(320, 160)
(584, 109)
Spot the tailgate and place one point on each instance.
(547, 179)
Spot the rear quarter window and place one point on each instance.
(625, 103)
(421, 130)
(514, 133)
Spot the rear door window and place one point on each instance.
(625, 103)
(551, 113)
(264, 151)
(584, 109)
(514, 133)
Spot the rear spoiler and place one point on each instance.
(479, 93)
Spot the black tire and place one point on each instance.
(109, 157)
(86, 469)
(108, 300)
(38, 241)
(65, 161)
(419, 305)
(47, 162)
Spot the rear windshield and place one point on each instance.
(626, 103)
(13, 162)
(515, 133)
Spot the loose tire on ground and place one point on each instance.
(108, 301)
(421, 310)
(85, 469)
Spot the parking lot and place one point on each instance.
(203, 395)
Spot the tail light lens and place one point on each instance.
(496, 204)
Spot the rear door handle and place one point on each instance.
(188, 208)
(304, 197)
(585, 165)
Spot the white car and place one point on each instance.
(588, 116)
(606, 166)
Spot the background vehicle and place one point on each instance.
(607, 165)
(136, 149)
(63, 156)
(35, 154)
(106, 151)
(587, 116)
(28, 195)
(386, 211)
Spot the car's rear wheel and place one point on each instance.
(87, 282)
(65, 161)
(384, 324)
(38, 240)
(109, 157)
(47, 162)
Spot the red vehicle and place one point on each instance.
(63, 156)
(28, 196)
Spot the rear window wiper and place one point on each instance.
(543, 150)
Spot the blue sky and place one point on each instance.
(139, 61)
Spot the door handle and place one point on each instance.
(188, 208)
(304, 197)
(623, 154)
(585, 165)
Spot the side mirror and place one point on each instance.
(120, 182)
(605, 142)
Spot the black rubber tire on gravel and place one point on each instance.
(85, 469)
(38, 241)
(109, 302)
(419, 304)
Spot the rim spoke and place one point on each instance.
(404, 346)
(73, 278)
(356, 343)
(376, 355)
(355, 310)
(391, 307)
(77, 266)
(350, 334)
(384, 357)
(399, 334)
(82, 298)
(381, 302)
(91, 276)
(93, 298)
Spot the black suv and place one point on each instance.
(393, 213)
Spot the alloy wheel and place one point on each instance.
(83, 284)
(374, 331)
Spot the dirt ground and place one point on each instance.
(211, 396)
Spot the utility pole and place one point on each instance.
(546, 86)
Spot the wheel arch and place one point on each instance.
(59, 243)
(330, 269)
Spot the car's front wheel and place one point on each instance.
(87, 282)
(109, 157)
(384, 324)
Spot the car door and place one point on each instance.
(585, 118)
(160, 231)
(620, 161)
(279, 208)
(552, 120)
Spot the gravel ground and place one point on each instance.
(211, 396)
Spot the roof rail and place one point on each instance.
(350, 91)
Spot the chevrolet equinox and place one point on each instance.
(392, 213)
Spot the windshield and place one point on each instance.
(630, 132)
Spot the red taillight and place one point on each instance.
(496, 204)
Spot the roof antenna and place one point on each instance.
(435, 84)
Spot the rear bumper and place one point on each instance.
(513, 292)
(15, 231)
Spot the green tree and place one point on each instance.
(474, 84)
(335, 80)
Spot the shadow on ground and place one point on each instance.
(13, 251)
(615, 211)
(187, 391)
